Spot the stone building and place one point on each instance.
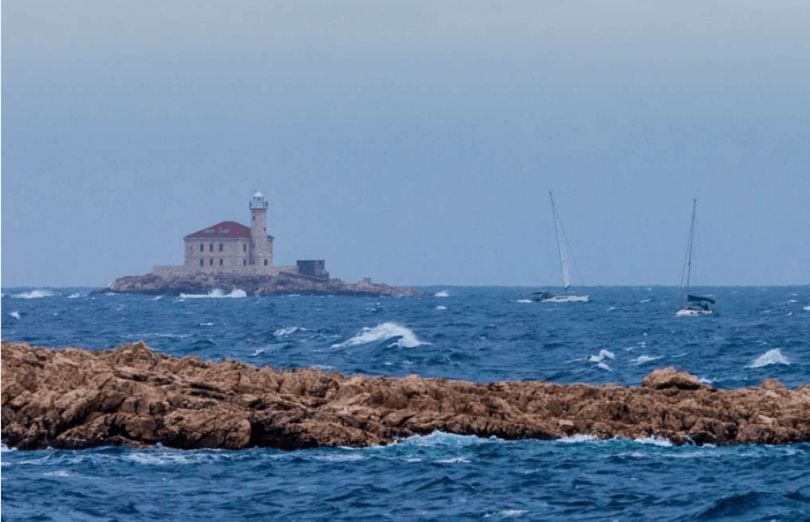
(233, 248)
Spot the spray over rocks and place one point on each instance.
(132, 396)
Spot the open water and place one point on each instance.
(477, 334)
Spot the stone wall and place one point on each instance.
(216, 254)
(169, 271)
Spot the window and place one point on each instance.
(265, 262)
(202, 247)
(220, 262)
(244, 247)
(202, 262)
(244, 262)
(211, 247)
(220, 247)
(211, 261)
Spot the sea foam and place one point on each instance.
(34, 294)
(641, 359)
(382, 332)
(215, 293)
(768, 358)
(288, 330)
(443, 293)
(602, 355)
(15, 315)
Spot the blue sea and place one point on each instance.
(469, 333)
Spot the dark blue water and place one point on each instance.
(478, 334)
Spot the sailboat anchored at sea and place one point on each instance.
(562, 247)
(695, 304)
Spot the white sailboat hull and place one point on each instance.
(566, 299)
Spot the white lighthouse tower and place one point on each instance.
(261, 244)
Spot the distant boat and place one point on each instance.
(695, 304)
(562, 246)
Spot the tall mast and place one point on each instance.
(689, 245)
(560, 247)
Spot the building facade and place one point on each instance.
(230, 247)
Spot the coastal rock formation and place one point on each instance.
(133, 396)
(282, 284)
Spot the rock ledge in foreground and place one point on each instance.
(132, 396)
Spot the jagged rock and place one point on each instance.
(671, 378)
(282, 284)
(133, 396)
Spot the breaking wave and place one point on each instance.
(15, 315)
(641, 359)
(602, 355)
(216, 292)
(523, 301)
(768, 358)
(405, 338)
(34, 294)
(807, 308)
(288, 330)
(440, 307)
(655, 441)
(443, 293)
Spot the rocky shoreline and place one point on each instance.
(282, 284)
(132, 396)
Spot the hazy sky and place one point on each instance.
(411, 141)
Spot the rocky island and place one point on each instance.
(230, 257)
(280, 284)
(132, 396)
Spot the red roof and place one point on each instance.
(226, 229)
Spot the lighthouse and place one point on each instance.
(261, 243)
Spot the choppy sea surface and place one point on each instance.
(476, 334)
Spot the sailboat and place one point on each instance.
(695, 304)
(562, 247)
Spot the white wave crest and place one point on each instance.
(206, 324)
(388, 330)
(158, 298)
(604, 366)
(215, 293)
(641, 359)
(807, 308)
(523, 301)
(289, 330)
(655, 440)
(453, 460)
(74, 296)
(602, 355)
(443, 293)
(646, 300)
(34, 294)
(440, 307)
(442, 438)
(507, 513)
(768, 358)
(15, 315)
(579, 437)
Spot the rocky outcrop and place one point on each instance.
(132, 396)
(282, 284)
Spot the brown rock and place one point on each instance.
(132, 396)
(671, 378)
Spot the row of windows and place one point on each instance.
(211, 262)
(211, 247)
